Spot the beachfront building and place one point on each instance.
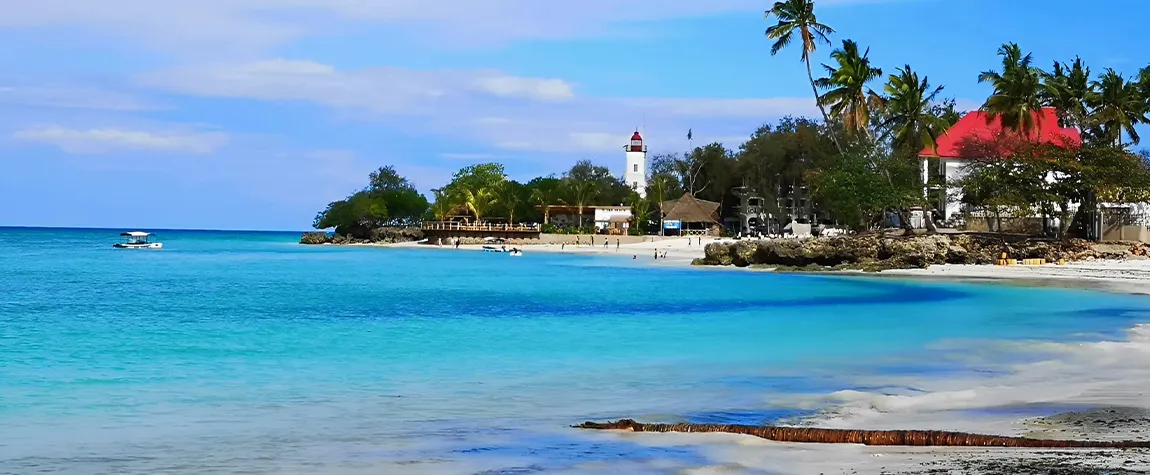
(635, 175)
(752, 216)
(690, 216)
(944, 166)
(605, 219)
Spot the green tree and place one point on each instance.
(1016, 96)
(1068, 89)
(580, 194)
(476, 187)
(1118, 107)
(610, 190)
(864, 184)
(511, 196)
(847, 93)
(445, 205)
(388, 200)
(640, 214)
(911, 122)
(545, 192)
(798, 17)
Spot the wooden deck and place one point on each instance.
(453, 226)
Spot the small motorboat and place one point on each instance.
(492, 249)
(137, 240)
(516, 253)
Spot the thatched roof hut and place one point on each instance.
(688, 209)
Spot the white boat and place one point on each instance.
(137, 240)
(516, 253)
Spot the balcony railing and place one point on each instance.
(480, 227)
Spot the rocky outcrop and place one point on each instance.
(376, 236)
(865, 437)
(873, 253)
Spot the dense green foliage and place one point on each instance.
(388, 200)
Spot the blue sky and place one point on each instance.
(253, 114)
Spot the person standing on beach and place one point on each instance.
(605, 242)
(617, 241)
(562, 246)
(457, 243)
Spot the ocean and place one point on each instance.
(243, 352)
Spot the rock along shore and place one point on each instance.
(877, 253)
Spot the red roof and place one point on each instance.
(636, 136)
(974, 126)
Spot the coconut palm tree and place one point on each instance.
(444, 206)
(1067, 88)
(848, 96)
(910, 119)
(510, 195)
(1016, 98)
(798, 16)
(1118, 106)
(478, 200)
(580, 194)
(545, 192)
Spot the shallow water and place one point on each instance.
(246, 353)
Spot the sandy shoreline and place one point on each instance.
(1115, 411)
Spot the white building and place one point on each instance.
(946, 164)
(636, 173)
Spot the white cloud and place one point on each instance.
(103, 140)
(384, 90)
(473, 104)
(226, 26)
(71, 96)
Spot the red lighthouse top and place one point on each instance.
(636, 143)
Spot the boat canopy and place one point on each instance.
(136, 234)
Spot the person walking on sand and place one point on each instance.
(617, 241)
(562, 246)
(605, 243)
(457, 243)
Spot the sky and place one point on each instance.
(254, 114)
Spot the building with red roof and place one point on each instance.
(947, 158)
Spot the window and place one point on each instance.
(635, 185)
(636, 167)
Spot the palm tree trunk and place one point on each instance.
(866, 437)
(826, 118)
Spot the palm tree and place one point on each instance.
(444, 205)
(478, 200)
(1016, 91)
(910, 119)
(581, 192)
(1118, 106)
(1067, 88)
(510, 194)
(799, 16)
(849, 97)
(545, 194)
(640, 212)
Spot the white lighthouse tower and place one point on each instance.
(636, 174)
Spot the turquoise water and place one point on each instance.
(233, 352)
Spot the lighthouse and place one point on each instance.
(636, 173)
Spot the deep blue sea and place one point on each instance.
(243, 352)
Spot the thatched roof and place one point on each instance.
(688, 209)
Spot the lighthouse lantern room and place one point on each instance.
(636, 173)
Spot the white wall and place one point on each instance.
(635, 174)
(604, 215)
